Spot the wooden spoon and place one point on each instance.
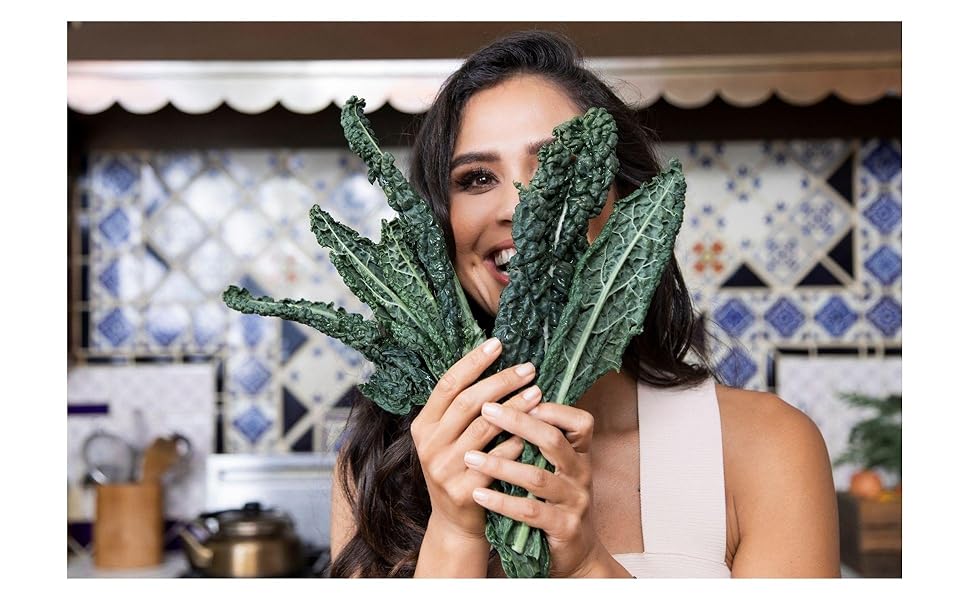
(159, 457)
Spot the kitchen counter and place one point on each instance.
(173, 565)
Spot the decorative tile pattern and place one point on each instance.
(885, 213)
(785, 242)
(785, 317)
(885, 264)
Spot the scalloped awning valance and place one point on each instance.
(252, 87)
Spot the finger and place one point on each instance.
(540, 482)
(532, 512)
(468, 404)
(510, 449)
(549, 439)
(480, 431)
(575, 423)
(461, 375)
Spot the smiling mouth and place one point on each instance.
(498, 264)
(502, 258)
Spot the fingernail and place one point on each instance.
(525, 369)
(491, 346)
(532, 393)
(480, 495)
(474, 458)
(490, 409)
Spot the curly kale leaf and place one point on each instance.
(418, 226)
(608, 302)
(378, 274)
(549, 232)
(400, 380)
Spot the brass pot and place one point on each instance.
(251, 542)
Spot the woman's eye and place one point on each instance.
(478, 178)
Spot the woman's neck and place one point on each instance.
(612, 401)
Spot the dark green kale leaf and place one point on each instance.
(549, 231)
(614, 284)
(419, 227)
(400, 379)
(422, 322)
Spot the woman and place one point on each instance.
(659, 470)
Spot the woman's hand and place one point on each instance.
(564, 435)
(450, 424)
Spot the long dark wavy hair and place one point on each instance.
(382, 476)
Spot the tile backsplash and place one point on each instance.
(786, 243)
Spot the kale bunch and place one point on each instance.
(570, 307)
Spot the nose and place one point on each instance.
(507, 202)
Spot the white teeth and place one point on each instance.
(502, 257)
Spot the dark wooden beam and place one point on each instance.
(368, 40)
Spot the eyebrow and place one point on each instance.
(470, 157)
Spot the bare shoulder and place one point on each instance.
(753, 421)
(779, 483)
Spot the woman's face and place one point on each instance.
(500, 134)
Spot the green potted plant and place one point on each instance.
(874, 443)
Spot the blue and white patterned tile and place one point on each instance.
(250, 375)
(285, 271)
(285, 200)
(167, 328)
(785, 317)
(704, 156)
(117, 227)
(174, 231)
(247, 232)
(212, 195)
(882, 159)
(120, 280)
(320, 372)
(822, 219)
(255, 334)
(318, 169)
(886, 315)
(838, 317)
(176, 288)
(114, 328)
(114, 176)
(782, 255)
(885, 264)
(821, 157)
(212, 266)
(353, 200)
(125, 277)
(177, 169)
(154, 194)
(252, 425)
(247, 167)
(209, 322)
(885, 213)
(706, 260)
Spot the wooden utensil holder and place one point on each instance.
(128, 525)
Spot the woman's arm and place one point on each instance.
(784, 495)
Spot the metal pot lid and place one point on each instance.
(253, 520)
